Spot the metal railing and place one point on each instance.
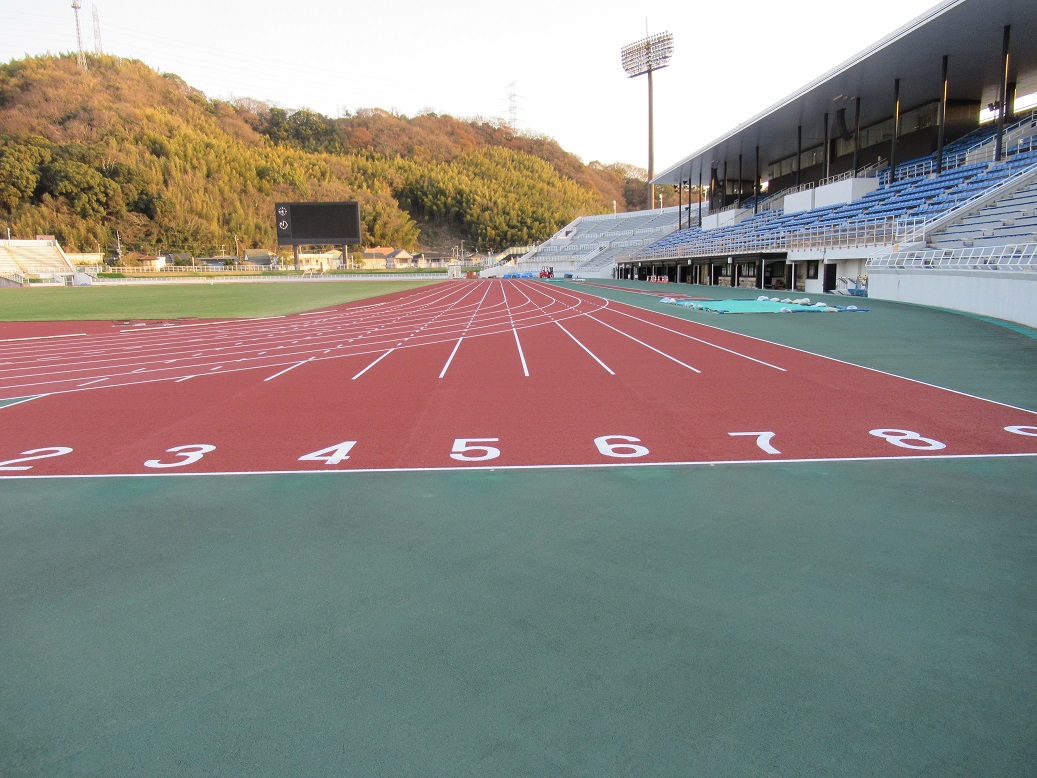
(1020, 257)
(851, 234)
(857, 234)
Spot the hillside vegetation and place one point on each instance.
(121, 147)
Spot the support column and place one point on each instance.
(740, 180)
(651, 144)
(856, 135)
(825, 171)
(799, 155)
(941, 125)
(756, 183)
(1002, 95)
(896, 131)
(723, 193)
(700, 197)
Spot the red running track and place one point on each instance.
(459, 375)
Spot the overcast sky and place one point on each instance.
(461, 57)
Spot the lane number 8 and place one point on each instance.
(908, 439)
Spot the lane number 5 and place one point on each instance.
(464, 449)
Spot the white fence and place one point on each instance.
(1020, 257)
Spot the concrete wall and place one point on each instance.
(726, 218)
(846, 191)
(1008, 296)
(837, 193)
(798, 202)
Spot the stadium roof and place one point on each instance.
(969, 32)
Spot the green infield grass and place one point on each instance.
(203, 301)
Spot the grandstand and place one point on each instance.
(21, 260)
(894, 169)
(589, 245)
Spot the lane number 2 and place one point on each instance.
(32, 455)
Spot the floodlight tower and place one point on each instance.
(80, 56)
(640, 58)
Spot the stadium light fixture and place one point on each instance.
(641, 58)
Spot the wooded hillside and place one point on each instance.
(121, 147)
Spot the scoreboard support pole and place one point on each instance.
(295, 255)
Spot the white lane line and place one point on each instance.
(451, 358)
(44, 337)
(699, 340)
(592, 355)
(653, 348)
(383, 356)
(511, 320)
(20, 400)
(95, 381)
(297, 364)
(525, 368)
(201, 324)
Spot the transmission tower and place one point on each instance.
(98, 48)
(80, 56)
(513, 107)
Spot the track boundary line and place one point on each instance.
(46, 337)
(160, 327)
(578, 466)
(11, 402)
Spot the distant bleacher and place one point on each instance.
(589, 245)
(33, 258)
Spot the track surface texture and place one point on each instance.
(470, 374)
(870, 616)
